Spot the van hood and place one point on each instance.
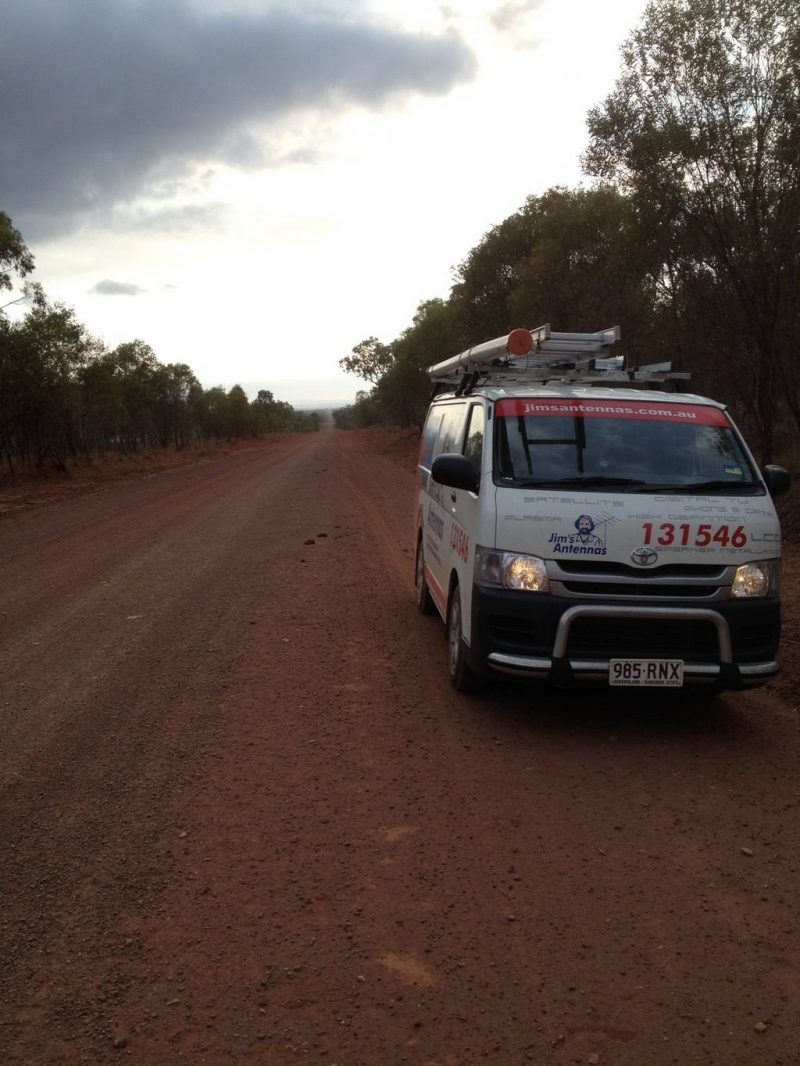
(606, 526)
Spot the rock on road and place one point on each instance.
(244, 819)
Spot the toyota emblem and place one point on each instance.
(644, 556)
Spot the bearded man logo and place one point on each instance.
(586, 535)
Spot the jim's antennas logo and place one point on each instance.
(588, 538)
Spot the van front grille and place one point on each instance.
(639, 589)
(608, 638)
(593, 569)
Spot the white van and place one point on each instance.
(573, 524)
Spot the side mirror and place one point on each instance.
(777, 479)
(455, 471)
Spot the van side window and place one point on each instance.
(430, 435)
(451, 435)
(473, 447)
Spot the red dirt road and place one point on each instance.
(244, 819)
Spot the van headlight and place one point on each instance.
(755, 580)
(510, 570)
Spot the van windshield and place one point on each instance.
(628, 446)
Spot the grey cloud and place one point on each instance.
(100, 94)
(509, 16)
(174, 220)
(116, 288)
(306, 156)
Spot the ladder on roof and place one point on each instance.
(524, 356)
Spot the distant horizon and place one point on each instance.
(302, 395)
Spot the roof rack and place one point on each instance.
(540, 355)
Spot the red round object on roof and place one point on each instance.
(520, 342)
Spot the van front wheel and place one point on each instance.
(462, 677)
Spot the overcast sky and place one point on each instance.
(252, 188)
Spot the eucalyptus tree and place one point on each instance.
(103, 415)
(14, 255)
(43, 355)
(576, 258)
(435, 331)
(369, 359)
(173, 386)
(15, 260)
(136, 367)
(703, 130)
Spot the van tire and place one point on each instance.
(425, 604)
(462, 677)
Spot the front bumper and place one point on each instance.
(732, 645)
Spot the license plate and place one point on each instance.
(646, 673)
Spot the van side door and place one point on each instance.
(465, 512)
(438, 514)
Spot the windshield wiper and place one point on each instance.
(712, 486)
(579, 482)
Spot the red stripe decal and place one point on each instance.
(435, 589)
(641, 411)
